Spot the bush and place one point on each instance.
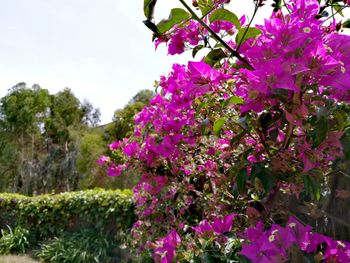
(48, 216)
(84, 246)
(16, 241)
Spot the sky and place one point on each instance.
(100, 49)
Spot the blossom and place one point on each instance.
(131, 149)
(115, 145)
(166, 246)
(275, 243)
(203, 78)
(204, 229)
(103, 160)
(116, 170)
(299, 67)
(223, 225)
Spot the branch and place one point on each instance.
(246, 30)
(234, 53)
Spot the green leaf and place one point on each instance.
(340, 116)
(177, 15)
(276, 5)
(205, 6)
(241, 179)
(233, 100)
(151, 26)
(264, 174)
(345, 141)
(245, 33)
(218, 124)
(339, 9)
(214, 56)
(346, 24)
(225, 15)
(312, 186)
(148, 8)
(207, 258)
(319, 134)
(196, 49)
(205, 124)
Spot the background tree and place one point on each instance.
(123, 120)
(121, 127)
(40, 139)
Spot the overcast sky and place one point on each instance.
(98, 48)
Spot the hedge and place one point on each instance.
(109, 212)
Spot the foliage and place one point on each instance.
(39, 138)
(52, 142)
(123, 120)
(121, 127)
(91, 147)
(16, 241)
(251, 133)
(48, 216)
(80, 247)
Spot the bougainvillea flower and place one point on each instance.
(165, 247)
(204, 229)
(202, 77)
(223, 225)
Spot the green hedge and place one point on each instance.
(47, 216)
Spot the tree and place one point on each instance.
(123, 120)
(40, 137)
(23, 112)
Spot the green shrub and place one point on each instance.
(16, 241)
(47, 216)
(81, 247)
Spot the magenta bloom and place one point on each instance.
(223, 225)
(262, 250)
(103, 160)
(166, 247)
(202, 78)
(131, 149)
(273, 245)
(177, 45)
(116, 170)
(204, 229)
(115, 145)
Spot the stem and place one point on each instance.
(345, 6)
(324, 7)
(284, 2)
(296, 101)
(246, 30)
(214, 35)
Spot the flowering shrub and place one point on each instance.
(261, 118)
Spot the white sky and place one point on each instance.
(98, 48)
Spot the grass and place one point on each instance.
(17, 259)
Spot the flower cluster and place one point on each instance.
(219, 137)
(276, 244)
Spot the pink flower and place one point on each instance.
(177, 45)
(103, 160)
(204, 229)
(223, 225)
(131, 149)
(202, 78)
(116, 170)
(115, 145)
(166, 247)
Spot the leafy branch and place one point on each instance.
(233, 52)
